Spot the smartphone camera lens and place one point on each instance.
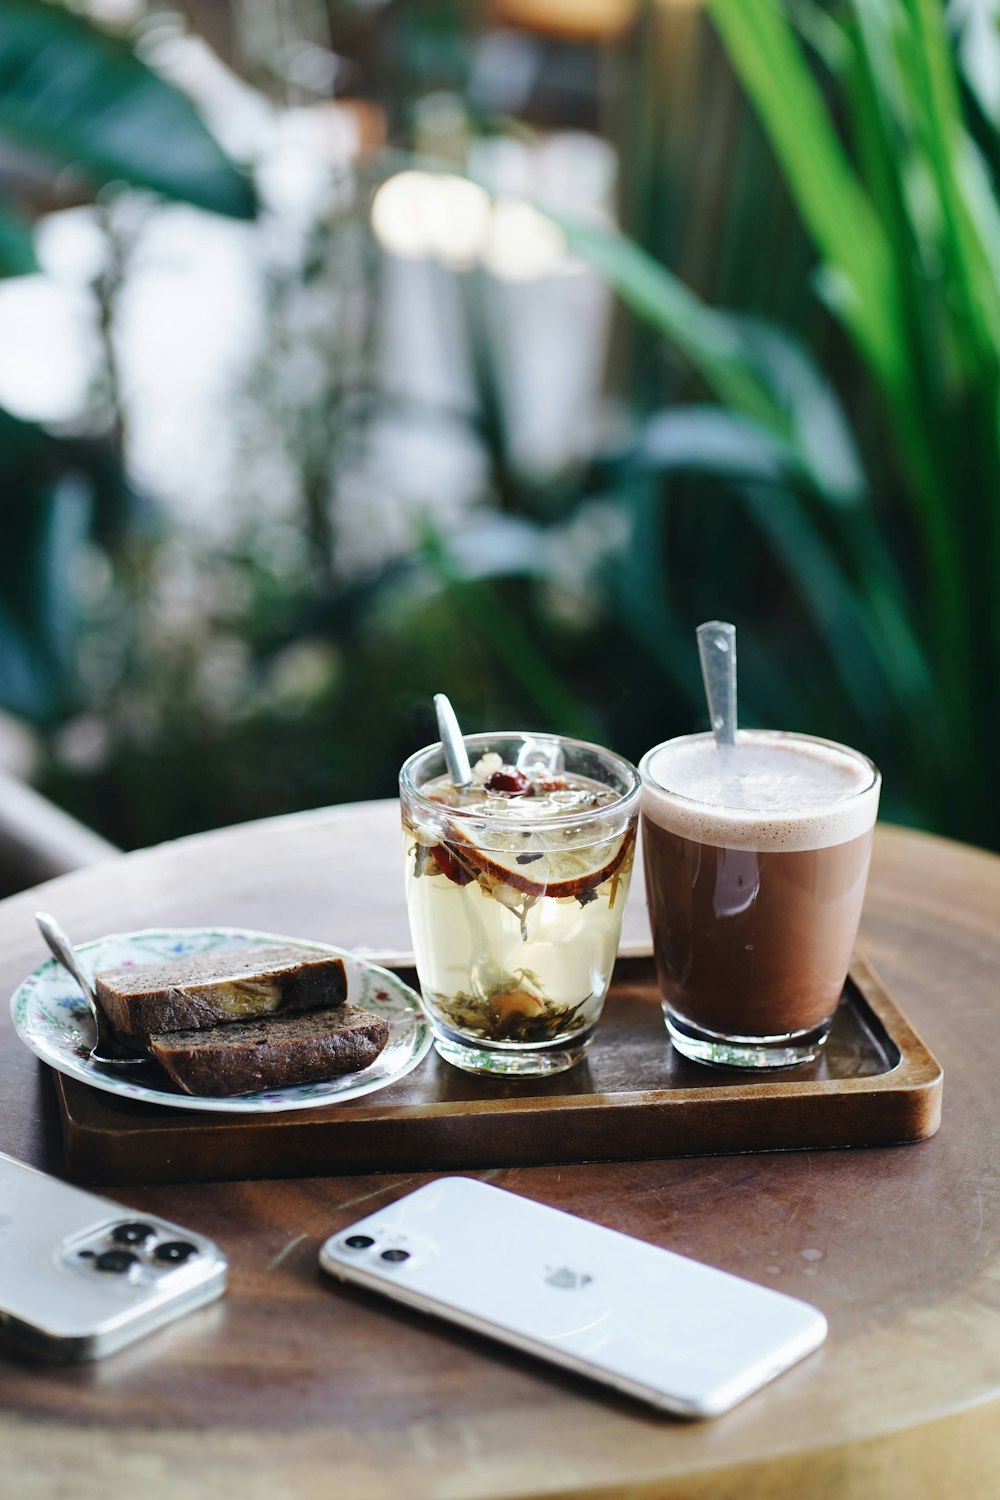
(359, 1242)
(132, 1234)
(174, 1252)
(118, 1261)
(395, 1255)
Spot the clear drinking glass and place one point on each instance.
(756, 859)
(515, 891)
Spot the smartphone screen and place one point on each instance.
(688, 1338)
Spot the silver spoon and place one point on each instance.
(107, 1051)
(717, 650)
(455, 752)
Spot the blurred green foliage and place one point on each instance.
(889, 158)
(81, 102)
(82, 98)
(821, 466)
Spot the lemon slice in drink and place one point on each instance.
(542, 862)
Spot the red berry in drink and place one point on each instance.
(510, 780)
(451, 867)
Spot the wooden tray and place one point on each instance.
(876, 1084)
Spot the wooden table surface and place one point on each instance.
(291, 1387)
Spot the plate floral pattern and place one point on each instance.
(52, 1018)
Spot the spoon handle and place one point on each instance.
(62, 949)
(107, 1051)
(717, 649)
(455, 752)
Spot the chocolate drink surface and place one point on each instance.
(756, 861)
(749, 943)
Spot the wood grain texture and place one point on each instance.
(875, 1083)
(291, 1387)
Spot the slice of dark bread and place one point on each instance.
(242, 1057)
(226, 984)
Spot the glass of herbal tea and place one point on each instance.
(515, 889)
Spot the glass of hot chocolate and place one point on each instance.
(756, 858)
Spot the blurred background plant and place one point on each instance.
(890, 532)
(80, 117)
(294, 473)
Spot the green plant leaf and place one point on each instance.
(829, 598)
(644, 601)
(909, 127)
(707, 339)
(753, 367)
(974, 278)
(37, 609)
(706, 440)
(831, 198)
(81, 95)
(711, 441)
(819, 433)
(17, 249)
(54, 492)
(500, 546)
(27, 687)
(974, 27)
(505, 636)
(858, 605)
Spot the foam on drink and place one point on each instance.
(767, 792)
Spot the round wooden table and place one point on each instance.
(292, 1387)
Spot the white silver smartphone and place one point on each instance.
(81, 1277)
(687, 1338)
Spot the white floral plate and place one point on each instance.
(52, 1018)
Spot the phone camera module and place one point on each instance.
(117, 1261)
(359, 1242)
(132, 1234)
(394, 1255)
(174, 1252)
